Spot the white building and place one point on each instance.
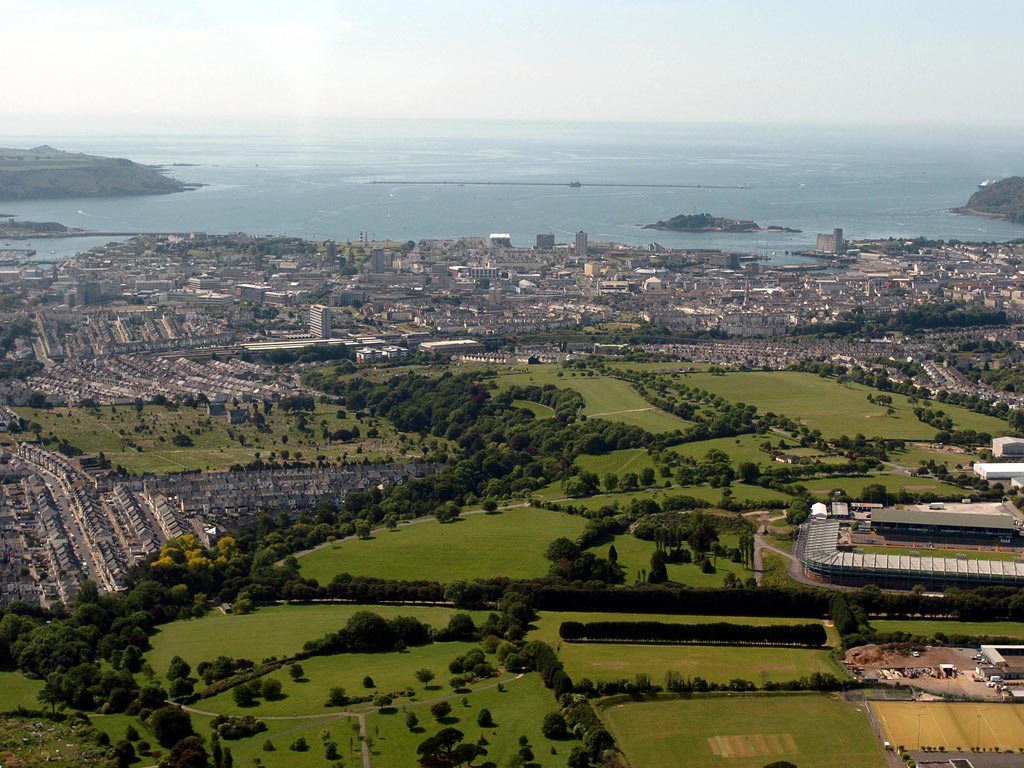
(1004, 471)
(1007, 446)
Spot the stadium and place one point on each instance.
(985, 540)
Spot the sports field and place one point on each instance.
(810, 730)
(719, 664)
(953, 725)
(279, 630)
(510, 544)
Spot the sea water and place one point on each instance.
(317, 182)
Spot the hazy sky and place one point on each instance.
(817, 61)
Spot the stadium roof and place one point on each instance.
(944, 518)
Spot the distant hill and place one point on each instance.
(45, 173)
(1004, 198)
(705, 222)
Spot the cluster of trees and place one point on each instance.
(566, 403)
(367, 632)
(911, 320)
(718, 633)
(570, 562)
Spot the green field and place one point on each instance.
(16, 690)
(916, 454)
(954, 726)
(539, 410)
(854, 485)
(277, 630)
(635, 554)
(510, 544)
(718, 664)
(928, 627)
(141, 441)
(519, 711)
(391, 673)
(811, 730)
(740, 492)
(832, 407)
(605, 397)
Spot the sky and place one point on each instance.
(116, 63)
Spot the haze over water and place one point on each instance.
(872, 182)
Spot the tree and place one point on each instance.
(244, 695)
(178, 669)
(368, 682)
(749, 472)
(554, 726)
(124, 753)
(441, 710)
(447, 512)
(411, 721)
(52, 692)
(188, 753)
(296, 671)
(299, 745)
(270, 688)
(336, 697)
(424, 676)
(170, 725)
(484, 718)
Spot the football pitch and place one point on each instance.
(809, 730)
(952, 725)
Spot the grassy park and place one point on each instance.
(142, 441)
(277, 630)
(605, 397)
(508, 544)
(810, 730)
(391, 673)
(832, 407)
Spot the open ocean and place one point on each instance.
(872, 182)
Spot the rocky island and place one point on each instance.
(705, 222)
(46, 173)
(1003, 199)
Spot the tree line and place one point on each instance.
(717, 633)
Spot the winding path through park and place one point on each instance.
(360, 716)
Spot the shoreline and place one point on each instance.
(78, 233)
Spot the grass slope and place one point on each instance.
(605, 397)
(270, 631)
(510, 544)
(832, 407)
(217, 444)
